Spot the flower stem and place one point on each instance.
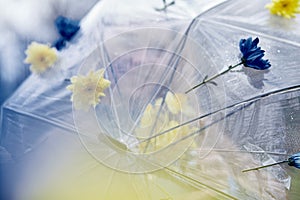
(214, 77)
(261, 167)
(165, 6)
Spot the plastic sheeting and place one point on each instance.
(56, 152)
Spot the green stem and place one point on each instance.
(261, 167)
(165, 6)
(214, 77)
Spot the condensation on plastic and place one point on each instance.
(39, 137)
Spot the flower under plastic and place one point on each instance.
(87, 90)
(252, 54)
(294, 160)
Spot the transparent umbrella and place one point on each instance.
(115, 150)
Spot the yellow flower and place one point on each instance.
(40, 56)
(172, 136)
(148, 120)
(178, 103)
(166, 139)
(87, 90)
(284, 8)
(152, 123)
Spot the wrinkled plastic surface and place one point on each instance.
(40, 141)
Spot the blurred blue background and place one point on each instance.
(24, 21)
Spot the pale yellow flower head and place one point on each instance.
(284, 8)
(172, 136)
(178, 104)
(167, 138)
(148, 120)
(152, 123)
(40, 56)
(87, 90)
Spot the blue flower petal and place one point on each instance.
(252, 55)
(256, 55)
(60, 44)
(259, 64)
(294, 160)
(67, 28)
(255, 42)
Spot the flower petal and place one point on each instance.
(252, 54)
(294, 160)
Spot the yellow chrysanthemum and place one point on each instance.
(147, 118)
(87, 90)
(284, 8)
(147, 121)
(40, 56)
(166, 139)
(178, 103)
(172, 136)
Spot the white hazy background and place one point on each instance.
(24, 21)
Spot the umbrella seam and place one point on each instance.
(254, 32)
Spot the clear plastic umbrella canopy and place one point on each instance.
(152, 54)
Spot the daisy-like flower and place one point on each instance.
(67, 28)
(156, 120)
(40, 56)
(284, 8)
(164, 140)
(294, 160)
(150, 117)
(178, 103)
(252, 54)
(252, 57)
(87, 90)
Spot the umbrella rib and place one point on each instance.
(244, 151)
(207, 126)
(196, 182)
(251, 100)
(57, 123)
(174, 63)
(190, 180)
(254, 32)
(115, 80)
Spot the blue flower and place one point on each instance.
(67, 28)
(252, 55)
(294, 160)
(60, 44)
